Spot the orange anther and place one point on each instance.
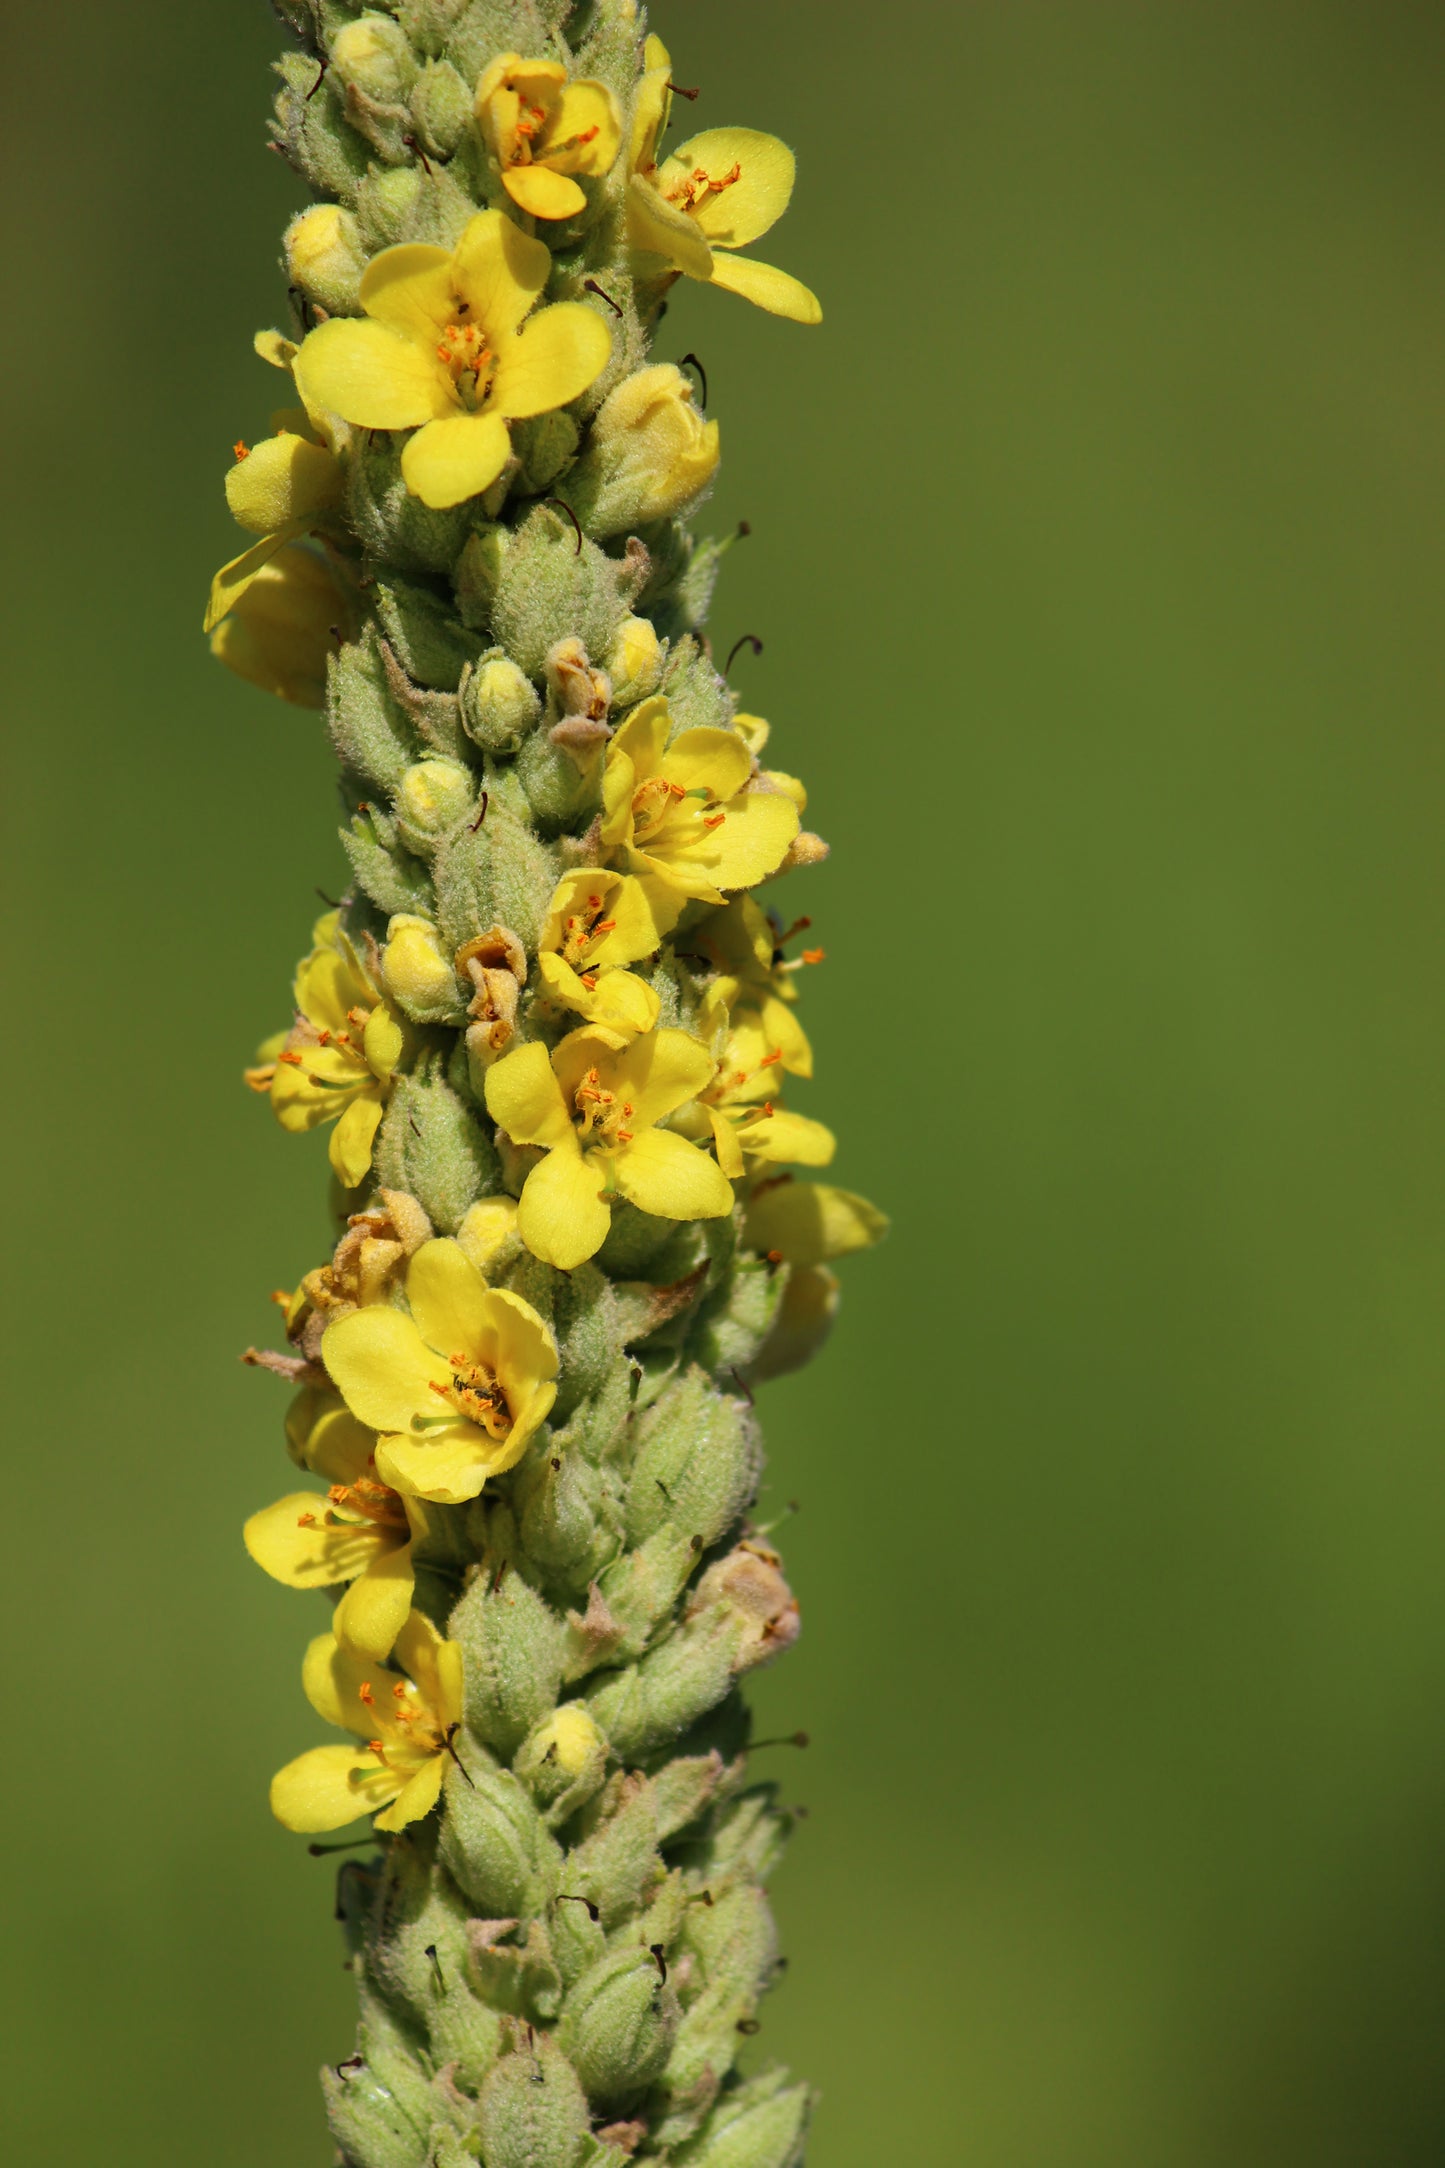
(306, 1520)
(365, 1693)
(814, 955)
(242, 451)
(399, 1689)
(774, 1257)
(716, 821)
(280, 1297)
(768, 1060)
(378, 1748)
(292, 1061)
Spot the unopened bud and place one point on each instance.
(488, 1235)
(533, 2112)
(431, 798)
(325, 256)
(564, 1760)
(418, 975)
(618, 2024)
(374, 53)
(635, 663)
(650, 455)
(500, 705)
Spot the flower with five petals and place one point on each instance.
(691, 211)
(689, 819)
(457, 1389)
(448, 347)
(407, 1717)
(543, 130)
(593, 1107)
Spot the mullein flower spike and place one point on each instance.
(547, 1033)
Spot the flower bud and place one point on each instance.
(374, 54)
(651, 453)
(563, 1761)
(442, 105)
(635, 663)
(511, 1642)
(618, 2024)
(282, 630)
(488, 1235)
(431, 798)
(495, 1844)
(758, 2125)
(500, 705)
(325, 257)
(418, 975)
(532, 2112)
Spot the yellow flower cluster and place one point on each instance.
(629, 1057)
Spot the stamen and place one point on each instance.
(242, 451)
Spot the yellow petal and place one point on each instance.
(541, 193)
(515, 1342)
(329, 1787)
(659, 1073)
(449, 1299)
(456, 458)
(781, 1030)
(232, 581)
(374, 1609)
(553, 359)
(382, 1042)
(409, 288)
(416, 1798)
(715, 760)
(382, 1365)
(448, 1466)
(623, 1001)
(371, 375)
(333, 1679)
(595, 890)
(752, 841)
(660, 229)
(283, 478)
(663, 1173)
(729, 1152)
(809, 1223)
(499, 271)
(767, 288)
(785, 1136)
(584, 130)
(333, 1444)
(419, 1650)
(642, 739)
(731, 217)
(525, 1099)
(314, 1556)
(561, 1217)
(804, 1321)
(650, 107)
(351, 1140)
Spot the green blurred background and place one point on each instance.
(1097, 551)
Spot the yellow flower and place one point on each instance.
(689, 819)
(457, 1389)
(281, 628)
(810, 1223)
(442, 350)
(284, 488)
(715, 193)
(361, 1532)
(408, 1718)
(739, 1106)
(338, 1060)
(593, 1107)
(598, 922)
(756, 981)
(541, 130)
